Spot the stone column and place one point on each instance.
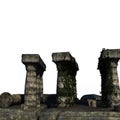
(110, 82)
(114, 97)
(35, 68)
(66, 81)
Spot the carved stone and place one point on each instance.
(66, 81)
(34, 82)
(110, 90)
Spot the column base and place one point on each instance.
(65, 101)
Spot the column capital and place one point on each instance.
(65, 59)
(33, 59)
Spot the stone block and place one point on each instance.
(30, 97)
(33, 58)
(64, 56)
(110, 53)
(5, 100)
(92, 103)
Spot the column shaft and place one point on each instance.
(30, 86)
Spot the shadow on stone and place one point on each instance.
(116, 108)
(91, 100)
(51, 101)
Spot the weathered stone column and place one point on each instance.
(110, 90)
(33, 90)
(66, 81)
(114, 98)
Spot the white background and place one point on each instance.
(82, 27)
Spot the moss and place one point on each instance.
(69, 89)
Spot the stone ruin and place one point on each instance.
(31, 103)
(66, 82)
(67, 68)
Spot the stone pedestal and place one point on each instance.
(66, 81)
(110, 90)
(33, 87)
